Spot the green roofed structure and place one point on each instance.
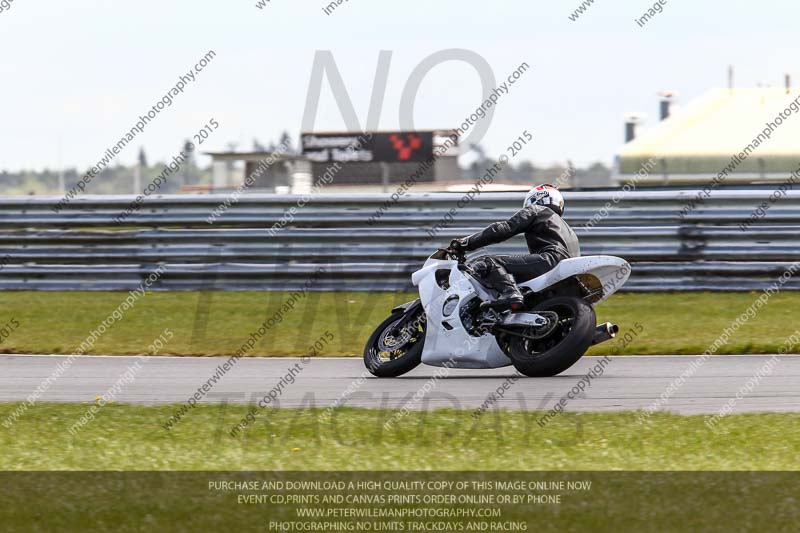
(733, 135)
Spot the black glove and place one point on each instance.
(459, 245)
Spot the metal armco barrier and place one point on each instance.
(81, 248)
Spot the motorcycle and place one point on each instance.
(453, 324)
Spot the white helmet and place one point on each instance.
(546, 195)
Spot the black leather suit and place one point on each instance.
(549, 239)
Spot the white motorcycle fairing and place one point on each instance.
(604, 272)
(447, 341)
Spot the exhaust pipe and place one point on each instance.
(604, 332)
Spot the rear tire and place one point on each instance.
(560, 350)
(407, 352)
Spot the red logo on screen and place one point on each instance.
(405, 147)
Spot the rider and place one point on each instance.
(549, 239)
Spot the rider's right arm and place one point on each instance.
(504, 230)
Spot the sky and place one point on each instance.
(77, 75)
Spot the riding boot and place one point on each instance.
(503, 282)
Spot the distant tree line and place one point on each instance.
(525, 172)
(120, 179)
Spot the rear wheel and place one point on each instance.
(567, 338)
(395, 347)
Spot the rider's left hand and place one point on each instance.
(459, 245)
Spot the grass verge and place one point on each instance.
(218, 323)
(131, 437)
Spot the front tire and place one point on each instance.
(560, 349)
(395, 347)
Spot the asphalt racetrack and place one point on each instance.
(626, 383)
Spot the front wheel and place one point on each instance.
(568, 336)
(395, 347)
